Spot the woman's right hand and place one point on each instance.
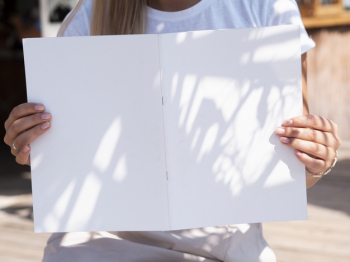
(25, 123)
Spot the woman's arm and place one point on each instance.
(314, 138)
(310, 180)
(304, 83)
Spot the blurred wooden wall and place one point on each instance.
(329, 76)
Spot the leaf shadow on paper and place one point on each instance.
(225, 159)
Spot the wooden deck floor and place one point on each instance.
(324, 237)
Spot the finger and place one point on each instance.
(312, 121)
(309, 134)
(317, 150)
(23, 110)
(22, 157)
(13, 151)
(23, 124)
(313, 164)
(30, 135)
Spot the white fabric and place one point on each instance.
(210, 15)
(227, 243)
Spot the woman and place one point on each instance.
(315, 139)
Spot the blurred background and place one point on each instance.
(324, 237)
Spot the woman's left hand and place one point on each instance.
(311, 135)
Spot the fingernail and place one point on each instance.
(45, 116)
(39, 107)
(297, 152)
(284, 140)
(287, 122)
(280, 131)
(46, 125)
(25, 149)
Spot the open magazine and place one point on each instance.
(166, 132)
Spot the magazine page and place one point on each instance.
(225, 92)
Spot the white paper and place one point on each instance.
(225, 92)
(166, 132)
(101, 165)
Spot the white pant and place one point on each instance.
(243, 242)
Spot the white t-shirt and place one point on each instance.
(210, 15)
(243, 242)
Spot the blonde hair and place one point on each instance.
(113, 17)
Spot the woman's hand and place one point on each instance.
(25, 123)
(314, 138)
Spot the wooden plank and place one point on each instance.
(8, 257)
(329, 78)
(23, 238)
(327, 21)
(289, 255)
(19, 251)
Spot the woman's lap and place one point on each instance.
(227, 243)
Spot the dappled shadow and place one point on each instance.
(219, 121)
(15, 188)
(226, 243)
(218, 124)
(20, 211)
(218, 130)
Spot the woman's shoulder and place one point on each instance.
(260, 12)
(77, 22)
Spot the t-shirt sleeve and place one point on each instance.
(77, 22)
(284, 12)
